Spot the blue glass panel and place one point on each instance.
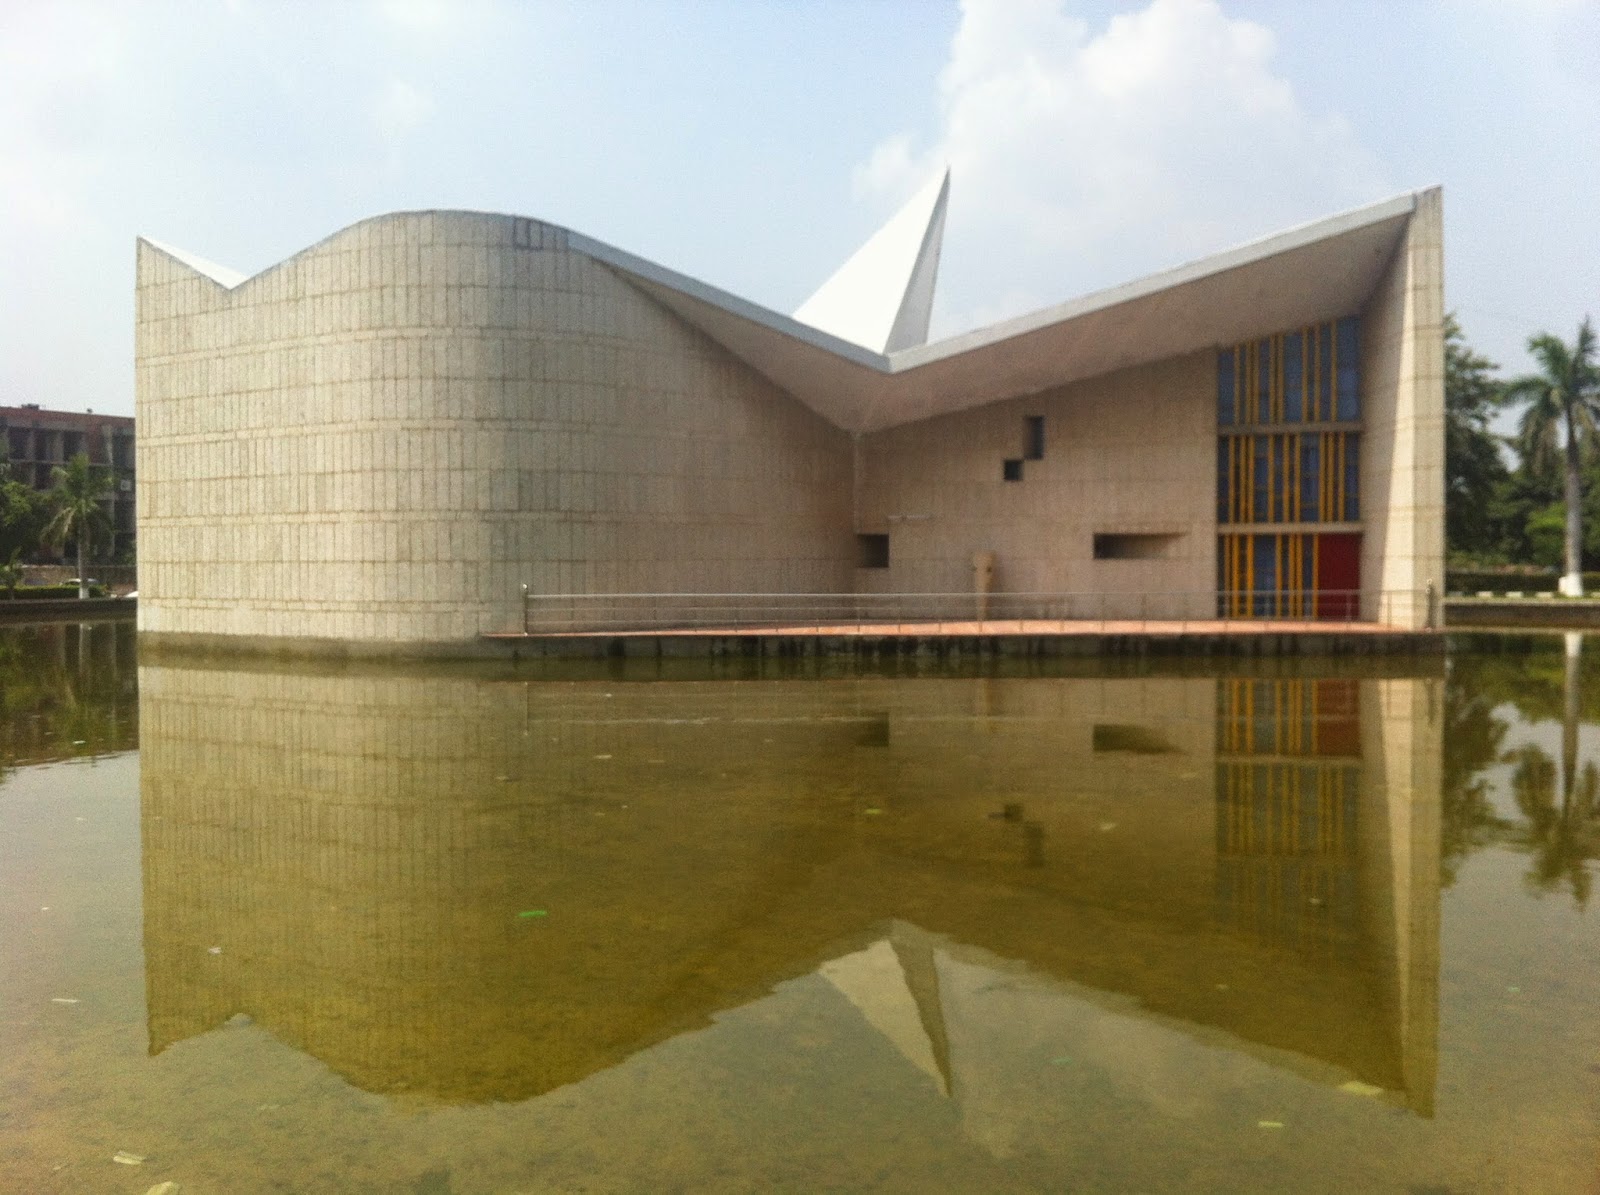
(1349, 369)
(1261, 481)
(1263, 381)
(1265, 579)
(1225, 388)
(1280, 467)
(1352, 477)
(1294, 382)
(1310, 476)
(1223, 470)
(1325, 369)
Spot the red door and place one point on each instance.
(1339, 576)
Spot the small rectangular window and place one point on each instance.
(1033, 438)
(872, 551)
(1012, 470)
(1115, 546)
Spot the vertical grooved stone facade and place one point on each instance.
(384, 437)
(380, 441)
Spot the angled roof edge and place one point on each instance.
(610, 255)
(221, 275)
(649, 271)
(864, 392)
(861, 390)
(910, 358)
(905, 359)
(1200, 267)
(202, 266)
(916, 311)
(881, 296)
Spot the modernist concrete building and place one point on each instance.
(382, 439)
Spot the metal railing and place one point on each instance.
(952, 613)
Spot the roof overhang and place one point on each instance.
(1316, 272)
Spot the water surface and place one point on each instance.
(1261, 927)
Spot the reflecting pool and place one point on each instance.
(1267, 925)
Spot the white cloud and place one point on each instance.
(1081, 158)
(432, 25)
(398, 108)
(54, 110)
(423, 16)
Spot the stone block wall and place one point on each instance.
(384, 437)
(1130, 454)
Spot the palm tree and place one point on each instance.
(1563, 838)
(1562, 399)
(79, 514)
(11, 573)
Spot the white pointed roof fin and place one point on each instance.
(221, 275)
(882, 297)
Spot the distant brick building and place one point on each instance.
(36, 441)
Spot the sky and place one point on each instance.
(756, 145)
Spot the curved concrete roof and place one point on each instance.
(1315, 272)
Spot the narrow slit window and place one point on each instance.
(1011, 470)
(1225, 387)
(1117, 546)
(1033, 438)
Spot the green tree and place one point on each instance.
(1558, 423)
(79, 511)
(1474, 735)
(23, 514)
(1518, 512)
(1562, 838)
(11, 574)
(1544, 534)
(1473, 466)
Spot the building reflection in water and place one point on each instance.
(67, 691)
(467, 889)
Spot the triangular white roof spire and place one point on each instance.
(221, 275)
(882, 297)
